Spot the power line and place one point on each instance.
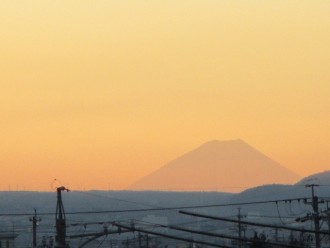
(169, 236)
(160, 208)
(117, 199)
(221, 235)
(252, 223)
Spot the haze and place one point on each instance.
(100, 93)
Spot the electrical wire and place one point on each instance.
(101, 242)
(279, 215)
(117, 199)
(157, 209)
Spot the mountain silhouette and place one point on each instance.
(228, 166)
(322, 178)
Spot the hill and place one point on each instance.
(318, 178)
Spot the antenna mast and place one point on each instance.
(60, 220)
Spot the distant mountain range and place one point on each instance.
(227, 166)
(126, 205)
(22, 201)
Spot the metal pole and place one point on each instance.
(315, 205)
(239, 228)
(34, 227)
(34, 221)
(328, 217)
(60, 220)
(139, 240)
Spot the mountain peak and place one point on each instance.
(216, 142)
(229, 165)
(219, 143)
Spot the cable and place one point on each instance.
(117, 199)
(279, 215)
(157, 209)
(252, 223)
(101, 242)
(172, 236)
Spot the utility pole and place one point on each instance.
(34, 221)
(139, 235)
(328, 217)
(276, 235)
(60, 220)
(315, 204)
(239, 228)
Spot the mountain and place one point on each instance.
(228, 166)
(318, 178)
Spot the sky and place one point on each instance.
(97, 94)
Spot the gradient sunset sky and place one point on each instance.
(100, 93)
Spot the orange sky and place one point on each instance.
(100, 93)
